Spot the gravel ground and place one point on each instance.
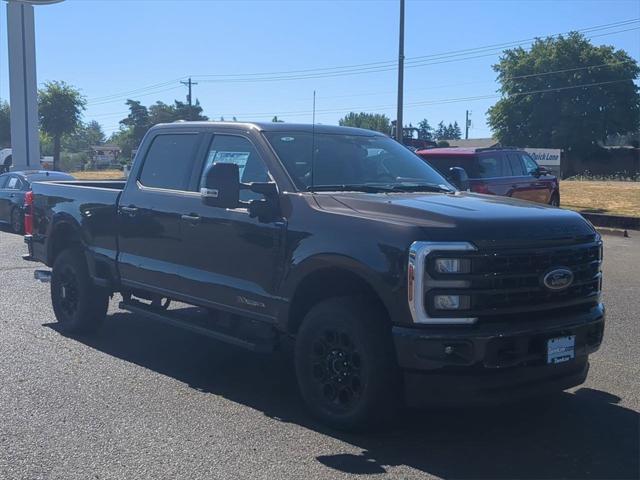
(141, 400)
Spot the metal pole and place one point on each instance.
(466, 126)
(399, 122)
(23, 90)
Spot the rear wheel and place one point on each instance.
(345, 364)
(17, 221)
(80, 306)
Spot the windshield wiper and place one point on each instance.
(422, 187)
(350, 188)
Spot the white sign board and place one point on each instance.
(549, 157)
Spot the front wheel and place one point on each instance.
(555, 200)
(80, 306)
(345, 364)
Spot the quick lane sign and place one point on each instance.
(545, 156)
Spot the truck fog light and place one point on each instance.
(451, 302)
(452, 265)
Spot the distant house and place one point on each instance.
(104, 156)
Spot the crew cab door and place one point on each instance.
(493, 170)
(152, 251)
(234, 260)
(4, 198)
(10, 195)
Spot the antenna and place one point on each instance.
(313, 136)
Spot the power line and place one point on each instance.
(431, 102)
(514, 77)
(364, 68)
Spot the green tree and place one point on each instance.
(135, 125)
(425, 131)
(275, 119)
(592, 95)
(454, 131)
(85, 136)
(60, 107)
(5, 125)
(372, 121)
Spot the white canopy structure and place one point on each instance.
(23, 86)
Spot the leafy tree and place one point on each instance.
(552, 110)
(425, 131)
(137, 123)
(372, 121)
(60, 106)
(275, 119)
(441, 131)
(84, 137)
(454, 131)
(5, 125)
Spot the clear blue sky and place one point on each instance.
(109, 48)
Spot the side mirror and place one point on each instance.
(542, 171)
(222, 186)
(459, 178)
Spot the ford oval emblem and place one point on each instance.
(558, 279)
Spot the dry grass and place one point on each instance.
(613, 198)
(99, 175)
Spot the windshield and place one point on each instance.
(348, 162)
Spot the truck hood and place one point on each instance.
(485, 219)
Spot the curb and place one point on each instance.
(612, 231)
(612, 221)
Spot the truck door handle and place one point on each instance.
(131, 211)
(192, 219)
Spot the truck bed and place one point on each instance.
(89, 207)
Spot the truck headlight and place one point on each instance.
(451, 302)
(452, 265)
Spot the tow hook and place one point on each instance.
(43, 276)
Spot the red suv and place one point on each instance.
(497, 171)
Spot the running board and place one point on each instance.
(43, 276)
(170, 317)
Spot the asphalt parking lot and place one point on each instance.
(141, 400)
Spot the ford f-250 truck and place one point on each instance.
(386, 282)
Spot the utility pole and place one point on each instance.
(399, 123)
(189, 83)
(467, 124)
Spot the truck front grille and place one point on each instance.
(511, 281)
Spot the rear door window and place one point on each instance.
(170, 161)
(517, 167)
(14, 183)
(3, 181)
(493, 165)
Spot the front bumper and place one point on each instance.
(493, 361)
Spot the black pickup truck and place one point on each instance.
(339, 245)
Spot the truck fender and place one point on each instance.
(335, 269)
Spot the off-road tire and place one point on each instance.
(345, 364)
(79, 305)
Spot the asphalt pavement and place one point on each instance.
(141, 400)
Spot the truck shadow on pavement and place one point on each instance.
(580, 435)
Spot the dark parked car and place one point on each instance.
(387, 283)
(498, 171)
(14, 186)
